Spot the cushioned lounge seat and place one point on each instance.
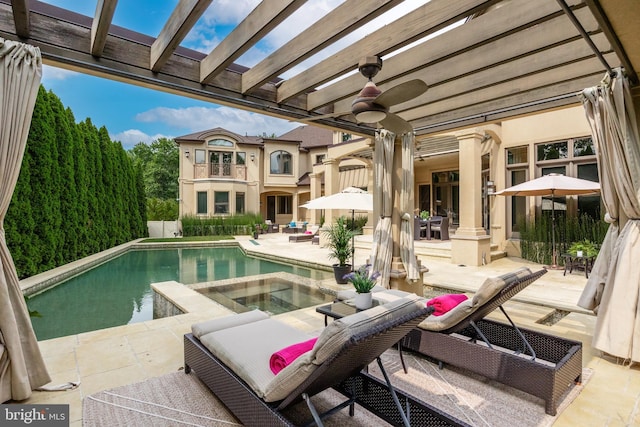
(543, 365)
(231, 355)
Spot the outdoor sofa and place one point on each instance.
(540, 364)
(231, 356)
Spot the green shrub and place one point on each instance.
(535, 236)
(232, 225)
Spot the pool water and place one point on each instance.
(275, 295)
(118, 292)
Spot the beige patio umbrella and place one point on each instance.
(552, 185)
(351, 198)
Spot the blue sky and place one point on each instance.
(135, 114)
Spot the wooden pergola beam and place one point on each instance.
(20, 10)
(265, 17)
(340, 21)
(100, 26)
(182, 19)
(419, 23)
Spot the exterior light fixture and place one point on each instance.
(491, 187)
(253, 157)
(186, 154)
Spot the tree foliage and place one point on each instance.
(159, 163)
(78, 192)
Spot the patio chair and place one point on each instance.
(441, 229)
(543, 365)
(231, 356)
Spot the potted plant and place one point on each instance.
(583, 248)
(363, 282)
(256, 230)
(424, 215)
(339, 239)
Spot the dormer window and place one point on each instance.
(281, 163)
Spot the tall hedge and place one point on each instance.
(78, 192)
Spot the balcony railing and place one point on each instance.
(217, 170)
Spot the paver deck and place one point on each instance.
(122, 355)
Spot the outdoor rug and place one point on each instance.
(178, 399)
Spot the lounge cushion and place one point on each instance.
(450, 318)
(202, 328)
(493, 285)
(338, 332)
(246, 350)
(379, 292)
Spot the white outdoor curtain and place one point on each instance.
(21, 366)
(407, 253)
(614, 290)
(382, 247)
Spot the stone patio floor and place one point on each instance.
(122, 355)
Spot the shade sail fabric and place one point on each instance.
(22, 368)
(613, 288)
(351, 198)
(556, 184)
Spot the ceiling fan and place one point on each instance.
(372, 105)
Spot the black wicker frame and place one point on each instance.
(344, 372)
(540, 364)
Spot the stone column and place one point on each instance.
(331, 184)
(316, 191)
(470, 245)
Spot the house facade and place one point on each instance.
(456, 174)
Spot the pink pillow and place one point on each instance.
(282, 358)
(445, 303)
(308, 232)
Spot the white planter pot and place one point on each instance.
(363, 301)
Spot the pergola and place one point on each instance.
(507, 58)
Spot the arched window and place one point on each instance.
(281, 163)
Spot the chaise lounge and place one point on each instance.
(231, 356)
(543, 365)
(306, 236)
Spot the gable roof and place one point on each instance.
(309, 136)
(201, 136)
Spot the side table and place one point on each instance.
(581, 262)
(340, 309)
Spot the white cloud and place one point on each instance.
(54, 73)
(195, 119)
(131, 137)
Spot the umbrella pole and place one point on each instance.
(554, 259)
(353, 239)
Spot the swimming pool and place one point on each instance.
(118, 293)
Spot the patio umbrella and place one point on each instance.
(351, 198)
(554, 185)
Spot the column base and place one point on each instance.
(398, 275)
(470, 250)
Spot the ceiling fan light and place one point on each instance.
(370, 116)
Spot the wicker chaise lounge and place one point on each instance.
(543, 365)
(231, 356)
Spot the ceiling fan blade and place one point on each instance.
(402, 93)
(396, 124)
(325, 116)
